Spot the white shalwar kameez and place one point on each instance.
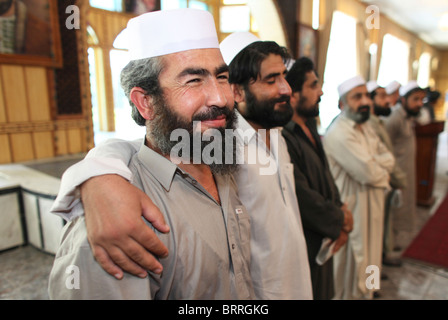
(360, 164)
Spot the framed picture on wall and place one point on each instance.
(29, 32)
(307, 42)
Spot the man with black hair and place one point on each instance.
(427, 114)
(400, 126)
(279, 266)
(324, 216)
(398, 180)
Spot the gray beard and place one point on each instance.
(166, 121)
(358, 117)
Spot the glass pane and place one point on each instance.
(93, 90)
(424, 70)
(173, 4)
(341, 65)
(111, 5)
(125, 126)
(197, 5)
(394, 64)
(234, 19)
(227, 2)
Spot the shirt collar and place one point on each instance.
(160, 167)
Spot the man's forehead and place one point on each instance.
(208, 59)
(418, 94)
(272, 64)
(359, 89)
(311, 76)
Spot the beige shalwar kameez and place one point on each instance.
(360, 164)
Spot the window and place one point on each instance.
(394, 64)
(234, 19)
(111, 5)
(341, 65)
(230, 15)
(424, 70)
(179, 4)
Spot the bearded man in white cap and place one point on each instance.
(360, 164)
(176, 78)
(400, 126)
(393, 91)
(279, 267)
(398, 180)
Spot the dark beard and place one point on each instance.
(361, 115)
(263, 112)
(412, 113)
(307, 112)
(166, 121)
(381, 111)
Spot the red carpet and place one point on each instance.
(431, 244)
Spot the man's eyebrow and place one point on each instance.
(202, 71)
(275, 74)
(221, 69)
(193, 71)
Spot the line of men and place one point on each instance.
(221, 230)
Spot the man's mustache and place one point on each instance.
(364, 108)
(213, 113)
(283, 98)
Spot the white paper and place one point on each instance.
(326, 251)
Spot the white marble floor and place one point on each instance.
(24, 270)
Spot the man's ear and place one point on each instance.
(238, 93)
(143, 102)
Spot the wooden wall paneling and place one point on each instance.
(2, 103)
(14, 90)
(37, 93)
(95, 22)
(43, 145)
(61, 144)
(5, 154)
(22, 147)
(74, 141)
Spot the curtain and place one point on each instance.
(327, 8)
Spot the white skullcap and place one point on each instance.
(372, 85)
(392, 87)
(349, 84)
(411, 85)
(234, 43)
(160, 33)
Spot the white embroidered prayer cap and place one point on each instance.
(234, 43)
(372, 85)
(392, 87)
(411, 85)
(349, 84)
(160, 33)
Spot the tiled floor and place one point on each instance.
(24, 271)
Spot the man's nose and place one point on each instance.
(284, 87)
(216, 94)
